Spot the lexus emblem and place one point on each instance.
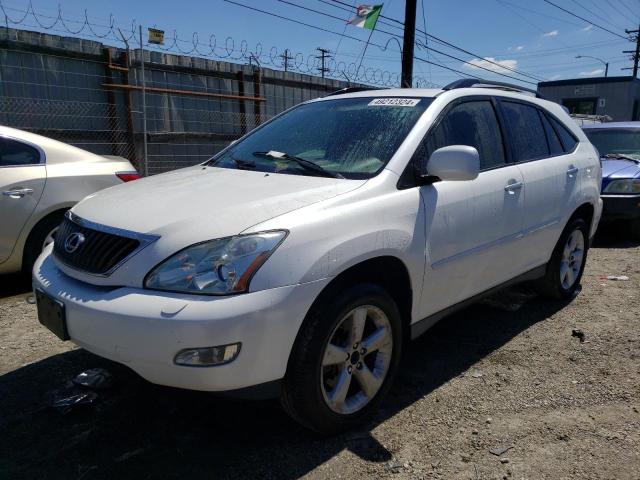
(73, 242)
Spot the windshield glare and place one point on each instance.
(353, 137)
(615, 140)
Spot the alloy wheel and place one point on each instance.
(572, 258)
(360, 346)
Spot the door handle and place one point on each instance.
(572, 170)
(512, 187)
(18, 193)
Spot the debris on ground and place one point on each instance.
(576, 332)
(128, 455)
(619, 278)
(499, 451)
(97, 378)
(30, 299)
(64, 404)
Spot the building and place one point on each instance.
(617, 97)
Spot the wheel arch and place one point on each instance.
(586, 211)
(33, 228)
(387, 271)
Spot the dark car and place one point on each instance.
(619, 147)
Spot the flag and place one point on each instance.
(366, 16)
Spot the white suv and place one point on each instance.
(300, 260)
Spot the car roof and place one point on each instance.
(613, 125)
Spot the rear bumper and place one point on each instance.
(620, 207)
(145, 329)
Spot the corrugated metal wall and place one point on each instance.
(58, 86)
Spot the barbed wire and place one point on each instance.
(229, 49)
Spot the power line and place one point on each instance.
(378, 45)
(628, 8)
(597, 15)
(584, 19)
(440, 40)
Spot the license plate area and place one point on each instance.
(51, 314)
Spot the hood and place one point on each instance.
(619, 168)
(202, 203)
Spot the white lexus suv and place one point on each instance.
(299, 261)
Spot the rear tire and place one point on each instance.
(565, 269)
(36, 240)
(333, 382)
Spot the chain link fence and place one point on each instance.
(89, 95)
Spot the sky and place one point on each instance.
(534, 38)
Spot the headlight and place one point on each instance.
(629, 186)
(216, 267)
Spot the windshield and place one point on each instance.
(353, 138)
(615, 140)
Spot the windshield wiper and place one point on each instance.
(244, 164)
(621, 156)
(306, 164)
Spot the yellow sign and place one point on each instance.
(156, 36)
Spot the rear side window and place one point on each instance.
(14, 153)
(527, 137)
(472, 123)
(555, 146)
(566, 137)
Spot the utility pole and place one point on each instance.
(636, 53)
(324, 54)
(408, 43)
(285, 59)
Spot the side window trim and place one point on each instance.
(41, 154)
(546, 134)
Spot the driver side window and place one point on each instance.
(472, 123)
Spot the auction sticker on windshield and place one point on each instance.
(394, 102)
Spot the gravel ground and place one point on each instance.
(506, 374)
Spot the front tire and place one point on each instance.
(344, 359)
(565, 269)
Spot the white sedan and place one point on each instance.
(40, 179)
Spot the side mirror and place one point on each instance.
(456, 162)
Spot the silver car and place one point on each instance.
(40, 179)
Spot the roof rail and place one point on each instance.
(352, 90)
(478, 82)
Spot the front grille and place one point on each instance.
(98, 253)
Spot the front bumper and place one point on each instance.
(620, 207)
(144, 329)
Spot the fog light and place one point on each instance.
(207, 356)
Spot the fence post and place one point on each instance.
(243, 111)
(144, 108)
(257, 74)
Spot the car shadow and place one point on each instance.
(614, 235)
(14, 284)
(139, 430)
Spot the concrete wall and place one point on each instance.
(617, 93)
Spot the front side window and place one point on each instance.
(527, 136)
(474, 124)
(625, 141)
(15, 154)
(352, 138)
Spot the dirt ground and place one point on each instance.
(504, 374)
